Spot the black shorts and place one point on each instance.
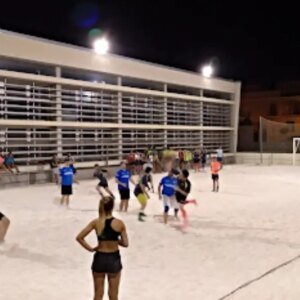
(215, 176)
(1, 216)
(107, 262)
(124, 194)
(66, 190)
(196, 161)
(181, 199)
(104, 185)
(220, 159)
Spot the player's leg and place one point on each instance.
(184, 215)
(166, 203)
(214, 182)
(113, 285)
(175, 205)
(4, 225)
(217, 183)
(142, 198)
(166, 214)
(127, 197)
(99, 280)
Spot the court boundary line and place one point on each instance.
(248, 283)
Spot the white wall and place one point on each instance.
(268, 158)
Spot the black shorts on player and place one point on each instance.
(1, 216)
(66, 190)
(215, 176)
(124, 194)
(107, 262)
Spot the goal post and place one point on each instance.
(296, 147)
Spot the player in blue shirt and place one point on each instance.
(169, 185)
(123, 176)
(67, 174)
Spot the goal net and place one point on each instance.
(279, 137)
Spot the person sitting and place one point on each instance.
(10, 164)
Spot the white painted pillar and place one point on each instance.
(201, 121)
(120, 137)
(235, 117)
(165, 116)
(58, 114)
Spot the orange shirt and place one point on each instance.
(215, 167)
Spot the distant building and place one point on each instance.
(280, 104)
(58, 98)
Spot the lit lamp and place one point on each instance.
(207, 71)
(101, 46)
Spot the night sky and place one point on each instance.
(246, 40)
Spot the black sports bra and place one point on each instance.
(108, 234)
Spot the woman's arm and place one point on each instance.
(124, 238)
(81, 237)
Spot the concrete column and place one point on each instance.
(58, 114)
(235, 117)
(165, 116)
(120, 121)
(201, 121)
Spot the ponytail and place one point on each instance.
(106, 206)
(101, 216)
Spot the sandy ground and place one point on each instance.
(235, 236)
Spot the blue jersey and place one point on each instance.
(124, 177)
(168, 183)
(66, 174)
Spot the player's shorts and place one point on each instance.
(143, 199)
(220, 159)
(215, 176)
(1, 216)
(181, 199)
(107, 262)
(124, 194)
(170, 201)
(196, 161)
(66, 190)
(104, 185)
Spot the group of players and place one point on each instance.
(173, 189)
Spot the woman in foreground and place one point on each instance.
(111, 234)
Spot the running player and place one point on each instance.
(215, 167)
(4, 224)
(67, 175)
(184, 185)
(141, 193)
(123, 176)
(111, 234)
(169, 186)
(102, 181)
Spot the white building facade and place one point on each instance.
(57, 98)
